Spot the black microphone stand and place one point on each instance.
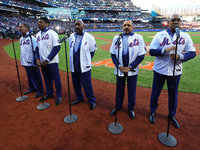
(43, 105)
(22, 97)
(71, 118)
(116, 128)
(166, 138)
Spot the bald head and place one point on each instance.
(174, 20)
(79, 26)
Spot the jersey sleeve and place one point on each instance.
(55, 39)
(155, 42)
(189, 45)
(143, 49)
(112, 48)
(93, 45)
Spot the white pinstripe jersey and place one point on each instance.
(27, 58)
(46, 41)
(164, 64)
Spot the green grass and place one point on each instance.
(189, 80)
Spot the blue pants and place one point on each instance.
(50, 74)
(158, 83)
(131, 86)
(34, 79)
(83, 79)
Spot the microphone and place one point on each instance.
(119, 38)
(177, 30)
(63, 39)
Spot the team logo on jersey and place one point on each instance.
(116, 47)
(134, 43)
(165, 42)
(86, 43)
(181, 41)
(38, 39)
(46, 37)
(26, 42)
(71, 44)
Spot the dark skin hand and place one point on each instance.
(124, 69)
(41, 64)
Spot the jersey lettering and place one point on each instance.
(181, 41)
(38, 39)
(165, 42)
(135, 43)
(71, 44)
(46, 37)
(26, 42)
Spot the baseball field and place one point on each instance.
(24, 127)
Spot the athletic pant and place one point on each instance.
(158, 83)
(34, 78)
(83, 79)
(50, 74)
(131, 86)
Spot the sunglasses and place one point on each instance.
(173, 20)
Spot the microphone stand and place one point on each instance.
(43, 105)
(22, 97)
(116, 128)
(166, 138)
(71, 118)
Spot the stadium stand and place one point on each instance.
(97, 14)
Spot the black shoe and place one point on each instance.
(152, 118)
(45, 98)
(92, 106)
(113, 112)
(131, 114)
(58, 101)
(174, 122)
(75, 102)
(37, 95)
(29, 91)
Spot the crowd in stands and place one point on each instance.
(102, 4)
(97, 14)
(10, 24)
(22, 4)
(190, 25)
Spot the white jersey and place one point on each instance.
(136, 47)
(88, 45)
(46, 41)
(27, 58)
(164, 64)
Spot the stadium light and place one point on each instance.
(57, 27)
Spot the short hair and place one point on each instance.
(46, 20)
(130, 21)
(80, 21)
(26, 26)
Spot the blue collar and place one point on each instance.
(46, 29)
(25, 36)
(131, 33)
(170, 32)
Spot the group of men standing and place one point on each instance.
(127, 52)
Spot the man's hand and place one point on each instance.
(38, 62)
(124, 69)
(44, 63)
(173, 56)
(170, 48)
